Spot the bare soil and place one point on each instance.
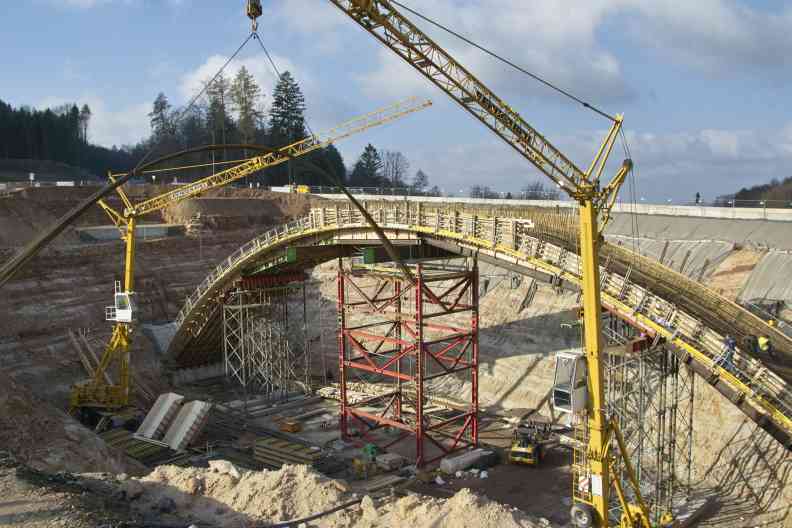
(729, 277)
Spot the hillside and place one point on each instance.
(774, 193)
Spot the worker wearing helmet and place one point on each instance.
(765, 346)
(726, 359)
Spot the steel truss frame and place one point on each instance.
(650, 393)
(410, 340)
(258, 346)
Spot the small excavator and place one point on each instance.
(532, 438)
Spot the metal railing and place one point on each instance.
(523, 243)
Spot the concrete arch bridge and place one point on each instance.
(649, 296)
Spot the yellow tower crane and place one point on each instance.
(99, 391)
(392, 28)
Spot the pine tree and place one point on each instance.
(420, 181)
(85, 119)
(217, 113)
(245, 96)
(368, 169)
(333, 163)
(160, 117)
(287, 115)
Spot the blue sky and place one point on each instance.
(704, 85)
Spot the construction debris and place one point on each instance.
(452, 464)
(275, 453)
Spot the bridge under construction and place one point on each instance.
(262, 328)
(394, 378)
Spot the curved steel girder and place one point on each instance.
(761, 409)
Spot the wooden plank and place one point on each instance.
(276, 444)
(383, 482)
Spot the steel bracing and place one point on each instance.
(406, 339)
(650, 392)
(260, 352)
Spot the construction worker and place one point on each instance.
(772, 323)
(751, 344)
(726, 358)
(766, 347)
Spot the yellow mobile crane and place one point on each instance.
(392, 28)
(98, 391)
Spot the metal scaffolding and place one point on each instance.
(404, 340)
(262, 352)
(650, 392)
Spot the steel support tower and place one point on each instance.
(650, 392)
(262, 352)
(402, 340)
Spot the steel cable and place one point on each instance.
(506, 61)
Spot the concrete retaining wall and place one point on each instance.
(744, 213)
(143, 231)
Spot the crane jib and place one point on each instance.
(390, 27)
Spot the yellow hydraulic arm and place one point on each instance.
(97, 392)
(387, 24)
(300, 148)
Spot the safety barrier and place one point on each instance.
(546, 246)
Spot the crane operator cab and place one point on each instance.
(569, 385)
(123, 309)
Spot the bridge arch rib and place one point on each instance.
(633, 288)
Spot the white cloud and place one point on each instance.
(565, 43)
(88, 4)
(82, 3)
(109, 126)
(393, 79)
(715, 35)
(547, 38)
(672, 165)
(325, 108)
(258, 65)
(307, 16)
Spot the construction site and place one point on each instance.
(210, 354)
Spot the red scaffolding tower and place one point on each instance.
(401, 340)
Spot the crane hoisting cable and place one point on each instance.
(394, 30)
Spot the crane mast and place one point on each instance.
(384, 22)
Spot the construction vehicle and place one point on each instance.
(98, 392)
(531, 440)
(595, 198)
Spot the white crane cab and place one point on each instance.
(569, 386)
(123, 309)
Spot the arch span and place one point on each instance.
(646, 294)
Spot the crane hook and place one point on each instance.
(253, 12)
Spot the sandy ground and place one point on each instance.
(517, 346)
(30, 499)
(226, 497)
(729, 277)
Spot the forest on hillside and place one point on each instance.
(777, 193)
(56, 134)
(231, 113)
